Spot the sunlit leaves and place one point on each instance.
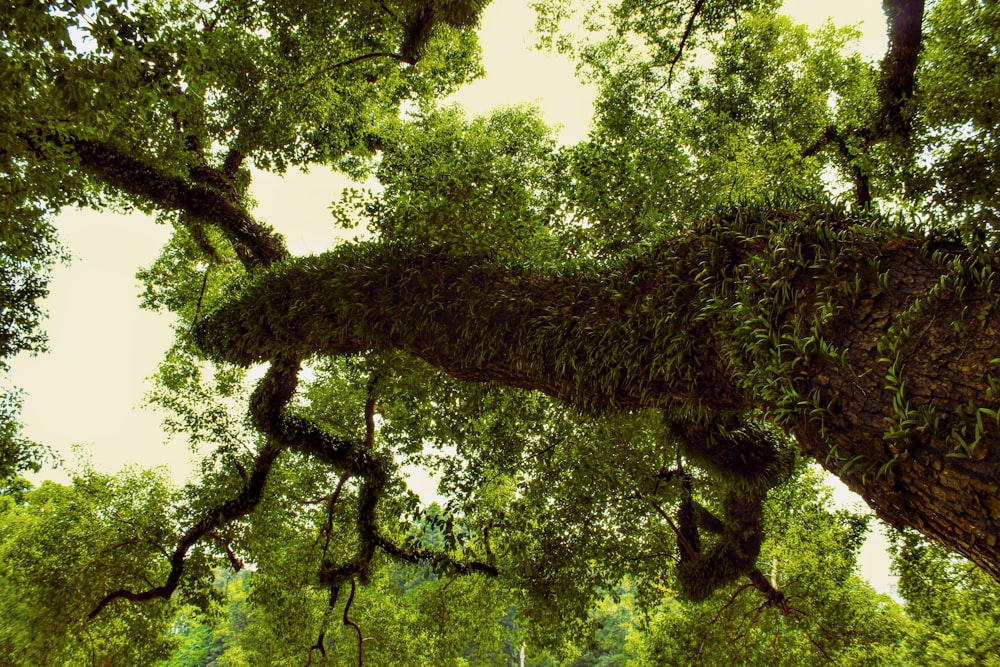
(955, 606)
(484, 183)
(958, 84)
(62, 548)
(18, 454)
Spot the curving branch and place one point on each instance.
(229, 511)
(370, 56)
(268, 408)
(357, 628)
(353, 61)
(234, 561)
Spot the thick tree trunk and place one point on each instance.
(871, 345)
(946, 368)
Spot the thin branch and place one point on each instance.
(370, 414)
(331, 506)
(348, 621)
(234, 560)
(318, 646)
(201, 296)
(832, 136)
(688, 31)
(818, 647)
(732, 599)
(353, 61)
(389, 11)
(369, 56)
(459, 567)
(686, 546)
(237, 507)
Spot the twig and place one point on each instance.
(348, 621)
(688, 30)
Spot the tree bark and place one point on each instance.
(872, 346)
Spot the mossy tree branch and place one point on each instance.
(869, 343)
(204, 203)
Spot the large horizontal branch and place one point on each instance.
(580, 336)
(872, 345)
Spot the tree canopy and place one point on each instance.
(768, 249)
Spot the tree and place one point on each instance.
(62, 546)
(663, 315)
(953, 603)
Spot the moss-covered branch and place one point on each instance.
(871, 344)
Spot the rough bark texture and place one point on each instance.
(874, 323)
(946, 368)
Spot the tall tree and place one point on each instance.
(662, 315)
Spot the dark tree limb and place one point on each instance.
(198, 200)
(370, 56)
(774, 596)
(355, 60)
(268, 407)
(231, 165)
(898, 79)
(688, 31)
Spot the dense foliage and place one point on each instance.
(617, 355)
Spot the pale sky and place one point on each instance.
(89, 388)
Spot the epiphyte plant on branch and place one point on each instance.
(677, 306)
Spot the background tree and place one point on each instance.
(953, 603)
(64, 546)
